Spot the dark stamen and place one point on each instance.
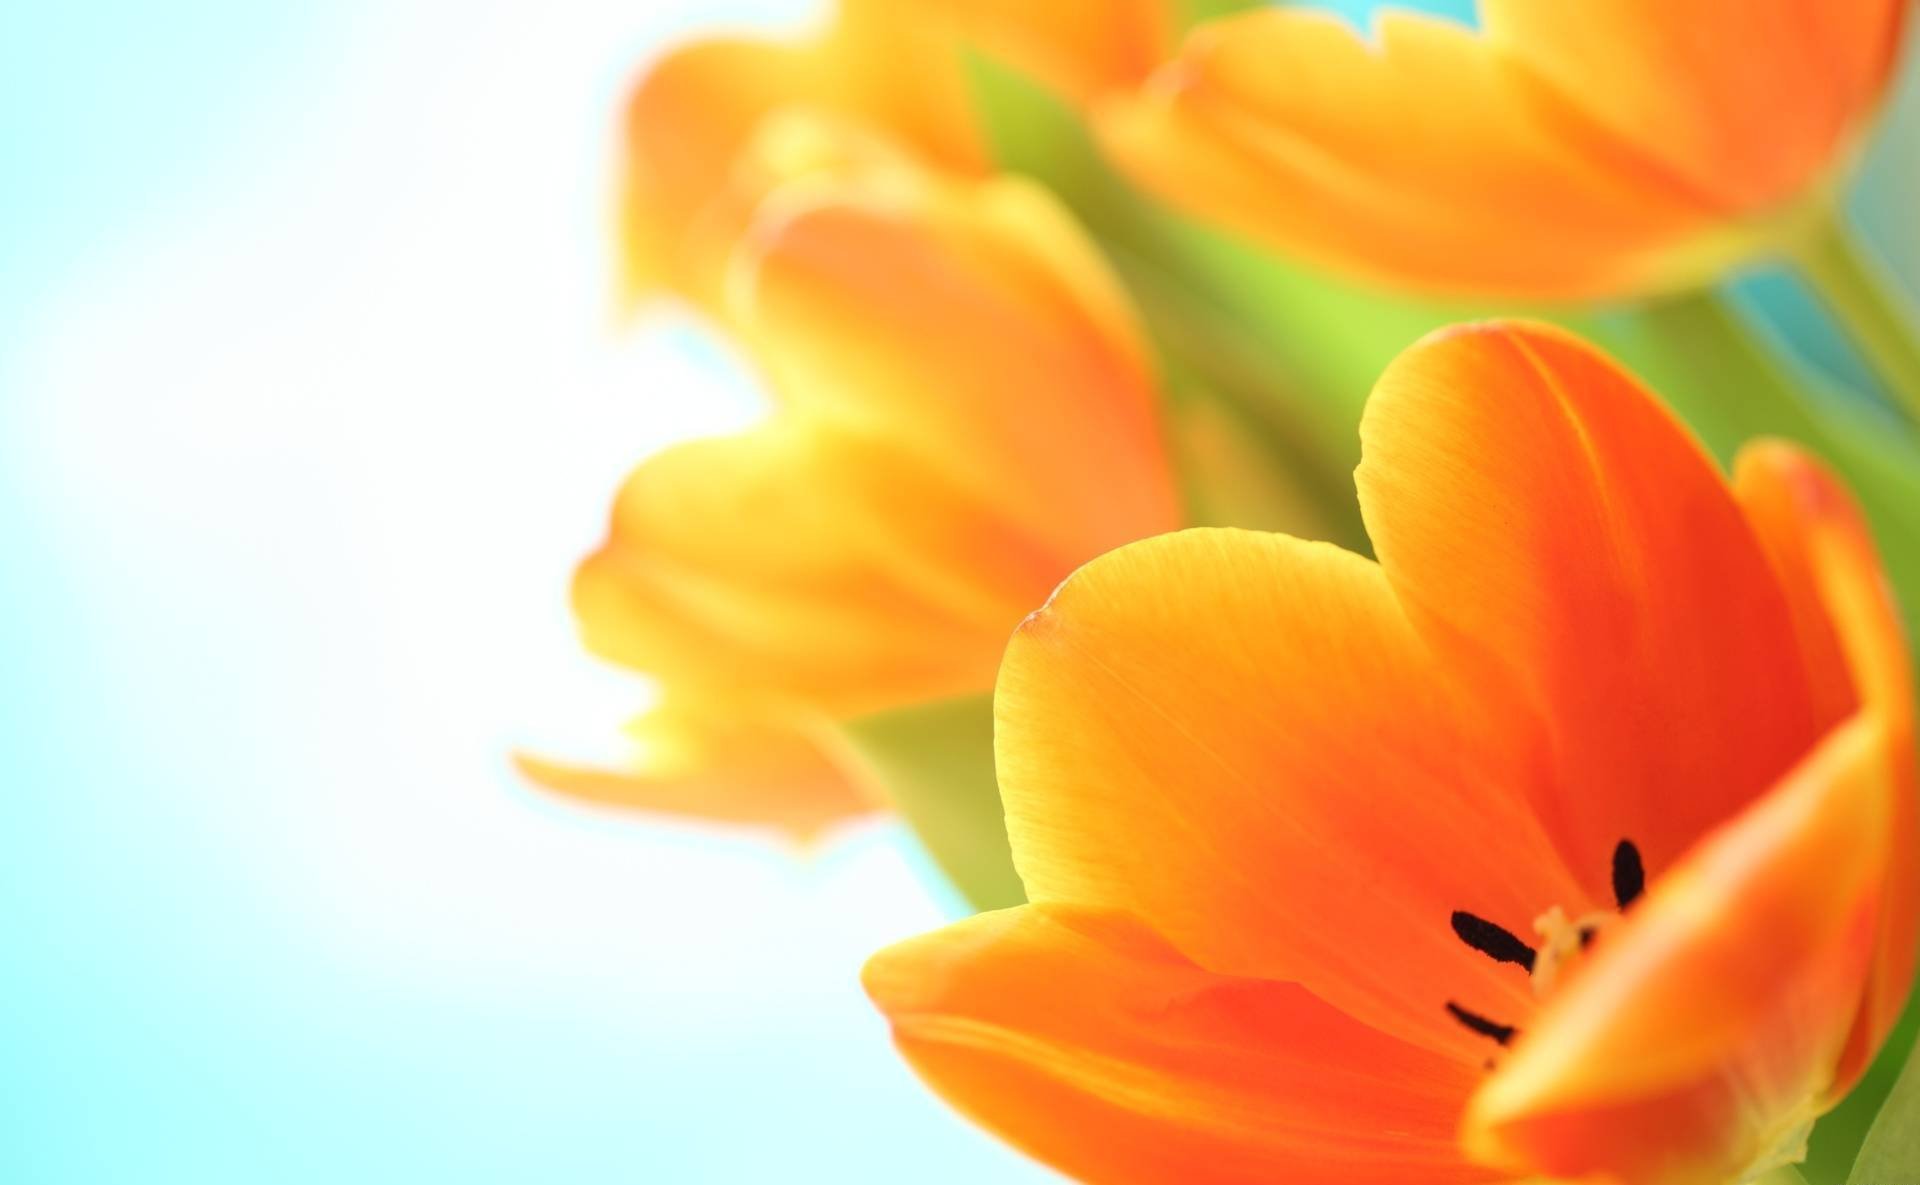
(1586, 936)
(1495, 942)
(1629, 875)
(1481, 1025)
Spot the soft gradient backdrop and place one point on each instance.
(309, 398)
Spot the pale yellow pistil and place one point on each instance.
(1562, 941)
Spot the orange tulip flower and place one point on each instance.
(1575, 838)
(931, 344)
(893, 65)
(1571, 148)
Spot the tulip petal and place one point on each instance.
(690, 182)
(1559, 537)
(1240, 739)
(1422, 159)
(1018, 337)
(1668, 140)
(1850, 628)
(1770, 481)
(686, 122)
(1085, 1040)
(1747, 100)
(804, 562)
(1701, 1037)
(725, 763)
(874, 542)
(1081, 47)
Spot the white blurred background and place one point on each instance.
(309, 399)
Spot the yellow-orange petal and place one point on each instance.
(1240, 739)
(721, 762)
(901, 63)
(1425, 158)
(1017, 337)
(694, 165)
(1084, 1039)
(1560, 537)
(906, 74)
(805, 563)
(892, 69)
(1080, 47)
(1770, 480)
(1850, 628)
(1746, 101)
(686, 122)
(930, 342)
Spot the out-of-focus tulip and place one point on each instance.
(894, 66)
(965, 413)
(1573, 839)
(730, 761)
(1574, 148)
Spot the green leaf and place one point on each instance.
(1836, 1148)
(1196, 11)
(1891, 1153)
(936, 761)
(1239, 468)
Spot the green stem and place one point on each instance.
(1857, 288)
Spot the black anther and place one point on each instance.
(1503, 1034)
(1629, 875)
(1494, 941)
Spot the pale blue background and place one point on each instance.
(308, 400)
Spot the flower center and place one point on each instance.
(1562, 940)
